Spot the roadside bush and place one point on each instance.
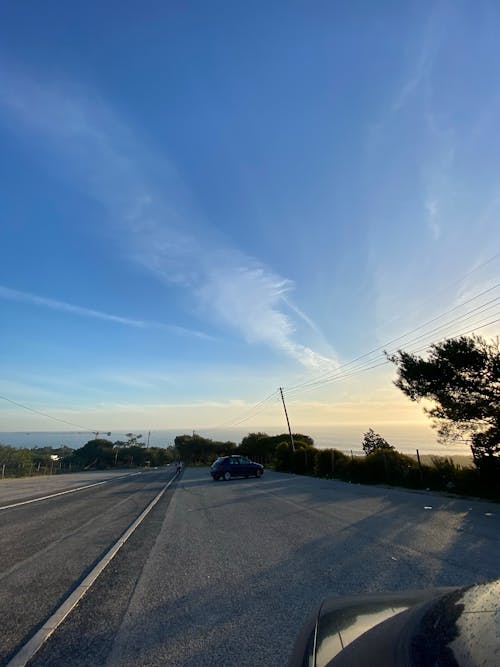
(445, 467)
(342, 465)
(352, 470)
(17, 461)
(445, 475)
(387, 467)
(468, 481)
(384, 466)
(303, 460)
(324, 464)
(441, 474)
(283, 459)
(330, 462)
(261, 447)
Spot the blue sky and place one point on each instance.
(202, 202)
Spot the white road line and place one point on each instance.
(63, 493)
(26, 653)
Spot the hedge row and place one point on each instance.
(387, 467)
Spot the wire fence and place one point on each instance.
(10, 470)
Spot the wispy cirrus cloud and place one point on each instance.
(419, 89)
(432, 209)
(419, 74)
(156, 226)
(54, 304)
(245, 294)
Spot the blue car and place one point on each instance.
(226, 467)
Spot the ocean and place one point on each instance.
(406, 438)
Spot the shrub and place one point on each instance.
(387, 466)
(17, 461)
(330, 462)
(324, 462)
(303, 460)
(283, 457)
(384, 466)
(445, 466)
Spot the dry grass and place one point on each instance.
(462, 460)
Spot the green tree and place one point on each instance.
(256, 445)
(97, 453)
(135, 455)
(197, 449)
(461, 379)
(373, 442)
(158, 456)
(133, 440)
(262, 447)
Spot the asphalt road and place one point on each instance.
(225, 573)
(48, 542)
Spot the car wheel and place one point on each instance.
(227, 476)
(216, 478)
(258, 473)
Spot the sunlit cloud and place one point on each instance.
(250, 299)
(155, 226)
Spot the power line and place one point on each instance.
(346, 371)
(44, 414)
(463, 318)
(252, 412)
(343, 372)
(456, 282)
(85, 429)
(312, 385)
(366, 366)
(337, 375)
(400, 337)
(463, 333)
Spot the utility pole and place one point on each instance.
(149, 435)
(287, 420)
